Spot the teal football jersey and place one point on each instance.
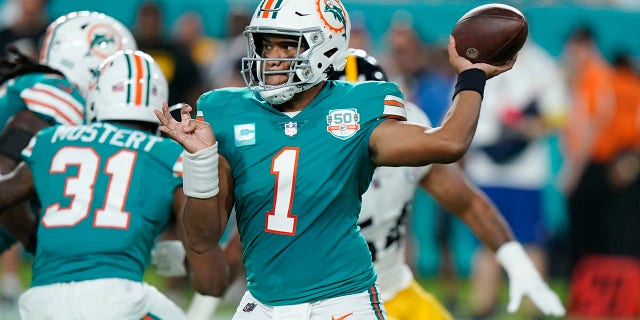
(51, 96)
(298, 182)
(106, 192)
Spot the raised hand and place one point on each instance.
(193, 135)
(460, 63)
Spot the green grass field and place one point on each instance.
(458, 304)
(461, 310)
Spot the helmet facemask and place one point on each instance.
(300, 75)
(321, 29)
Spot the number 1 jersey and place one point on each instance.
(298, 182)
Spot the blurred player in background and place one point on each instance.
(383, 220)
(100, 215)
(384, 215)
(510, 160)
(37, 95)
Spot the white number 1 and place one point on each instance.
(284, 166)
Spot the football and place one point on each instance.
(491, 33)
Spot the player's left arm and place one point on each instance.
(448, 186)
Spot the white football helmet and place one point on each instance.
(130, 84)
(78, 42)
(323, 26)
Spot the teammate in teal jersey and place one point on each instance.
(37, 95)
(107, 191)
(296, 154)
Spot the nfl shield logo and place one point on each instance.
(249, 307)
(291, 128)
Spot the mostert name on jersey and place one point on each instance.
(132, 139)
(343, 123)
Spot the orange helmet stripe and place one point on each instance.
(139, 73)
(267, 6)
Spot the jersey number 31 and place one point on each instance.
(81, 188)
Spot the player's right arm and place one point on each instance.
(18, 220)
(16, 136)
(395, 143)
(207, 180)
(16, 187)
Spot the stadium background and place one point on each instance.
(616, 27)
(550, 21)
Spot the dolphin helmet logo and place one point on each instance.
(332, 14)
(103, 40)
(100, 40)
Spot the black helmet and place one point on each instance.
(360, 67)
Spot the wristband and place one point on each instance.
(200, 169)
(471, 79)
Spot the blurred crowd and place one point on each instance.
(557, 148)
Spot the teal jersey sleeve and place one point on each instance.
(50, 96)
(298, 184)
(106, 193)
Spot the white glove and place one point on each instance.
(202, 307)
(168, 257)
(524, 279)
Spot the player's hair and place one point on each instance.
(15, 64)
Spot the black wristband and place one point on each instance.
(471, 79)
(13, 140)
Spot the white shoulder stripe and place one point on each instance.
(62, 95)
(60, 104)
(395, 111)
(46, 110)
(394, 98)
